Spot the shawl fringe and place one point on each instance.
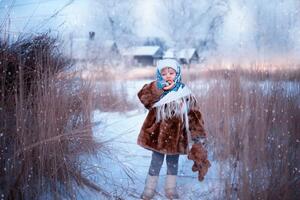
(176, 108)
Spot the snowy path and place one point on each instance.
(121, 130)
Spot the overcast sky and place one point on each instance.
(28, 15)
(147, 13)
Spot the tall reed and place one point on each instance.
(253, 126)
(45, 122)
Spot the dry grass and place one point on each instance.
(111, 96)
(110, 92)
(45, 122)
(256, 132)
(252, 71)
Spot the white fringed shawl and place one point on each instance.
(176, 103)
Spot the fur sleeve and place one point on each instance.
(196, 124)
(149, 94)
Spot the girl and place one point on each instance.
(173, 120)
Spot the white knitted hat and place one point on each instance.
(168, 63)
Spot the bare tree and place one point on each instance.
(275, 24)
(113, 22)
(116, 20)
(190, 23)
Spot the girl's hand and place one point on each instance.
(172, 83)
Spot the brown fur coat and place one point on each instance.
(167, 136)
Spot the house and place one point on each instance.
(170, 53)
(93, 50)
(184, 56)
(188, 56)
(144, 55)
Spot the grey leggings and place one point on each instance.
(157, 161)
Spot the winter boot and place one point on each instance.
(170, 187)
(150, 186)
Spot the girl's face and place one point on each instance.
(168, 74)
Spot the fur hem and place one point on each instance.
(163, 152)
